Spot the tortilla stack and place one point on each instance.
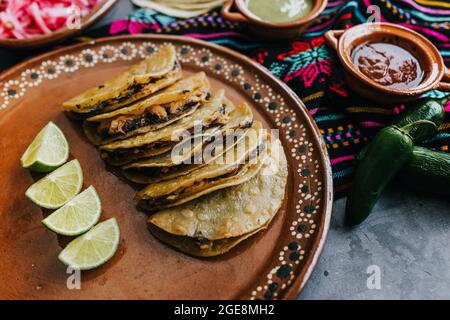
(193, 152)
(149, 114)
(153, 143)
(214, 224)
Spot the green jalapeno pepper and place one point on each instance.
(427, 171)
(421, 121)
(388, 152)
(381, 160)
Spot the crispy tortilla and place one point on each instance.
(188, 155)
(150, 114)
(198, 247)
(156, 72)
(153, 143)
(240, 164)
(170, 94)
(214, 224)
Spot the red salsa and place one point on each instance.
(388, 64)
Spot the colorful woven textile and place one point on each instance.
(312, 69)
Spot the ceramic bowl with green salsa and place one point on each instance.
(274, 19)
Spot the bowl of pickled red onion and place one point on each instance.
(29, 24)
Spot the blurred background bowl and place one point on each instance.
(237, 11)
(61, 34)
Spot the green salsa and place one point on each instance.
(279, 10)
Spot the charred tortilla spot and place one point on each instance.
(203, 243)
(202, 240)
(123, 156)
(172, 198)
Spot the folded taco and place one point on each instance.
(195, 151)
(214, 111)
(154, 73)
(217, 222)
(233, 167)
(149, 114)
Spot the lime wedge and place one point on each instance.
(77, 216)
(48, 151)
(58, 187)
(93, 248)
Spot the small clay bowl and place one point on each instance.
(271, 30)
(40, 41)
(435, 73)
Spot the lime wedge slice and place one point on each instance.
(93, 248)
(77, 216)
(48, 151)
(58, 187)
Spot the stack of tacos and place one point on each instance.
(211, 176)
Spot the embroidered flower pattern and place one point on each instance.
(307, 60)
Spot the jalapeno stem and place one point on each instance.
(415, 123)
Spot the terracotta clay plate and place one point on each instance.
(275, 263)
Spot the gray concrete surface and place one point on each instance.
(407, 237)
